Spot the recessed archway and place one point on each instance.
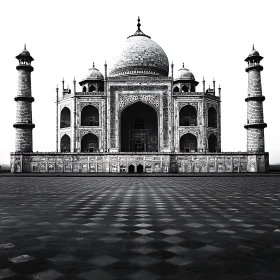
(140, 168)
(139, 128)
(131, 168)
(65, 145)
(212, 117)
(89, 143)
(188, 116)
(65, 118)
(90, 116)
(188, 143)
(212, 143)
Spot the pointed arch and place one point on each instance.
(101, 89)
(176, 89)
(84, 89)
(65, 118)
(90, 116)
(91, 88)
(185, 88)
(188, 143)
(212, 143)
(212, 117)
(188, 116)
(89, 143)
(139, 128)
(65, 144)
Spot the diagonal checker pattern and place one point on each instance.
(139, 228)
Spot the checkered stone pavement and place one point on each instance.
(139, 228)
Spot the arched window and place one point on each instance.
(176, 89)
(188, 116)
(212, 117)
(212, 143)
(65, 119)
(84, 89)
(90, 116)
(65, 143)
(101, 89)
(89, 143)
(185, 88)
(92, 88)
(188, 143)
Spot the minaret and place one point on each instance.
(24, 101)
(255, 124)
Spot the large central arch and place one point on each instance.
(139, 128)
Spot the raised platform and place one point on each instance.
(139, 162)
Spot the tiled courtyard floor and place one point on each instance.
(146, 228)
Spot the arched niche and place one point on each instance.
(89, 116)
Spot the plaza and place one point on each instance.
(91, 227)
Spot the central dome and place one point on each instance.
(140, 56)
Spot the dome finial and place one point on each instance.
(138, 24)
(183, 65)
(253, 47)
(93, 64)
(25, 46)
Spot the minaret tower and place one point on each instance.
(24, 101)
(255, 124)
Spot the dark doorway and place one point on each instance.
(65, 143)
(188, 143)
(212, 143)
(188, 116)
(131, 168)
(140, 168)
(65, 118)
(90, 116)
(139, 128)
(212, 117)
(89, 143)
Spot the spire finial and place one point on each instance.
(138, 24)
(253, 47)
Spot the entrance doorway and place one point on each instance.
(131, 168)
(139, 128)
(140, 168)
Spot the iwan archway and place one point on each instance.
(139, 128)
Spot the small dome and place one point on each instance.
(184, 74)
(140, 56)
(254, 53)
(93, 74)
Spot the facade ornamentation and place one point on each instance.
(128, 99)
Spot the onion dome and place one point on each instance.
(140, 56)
(25, 55)
(254, 54)
(93, 74)
(184, 74)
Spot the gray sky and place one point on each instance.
(212, 38)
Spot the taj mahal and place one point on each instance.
(139, 116)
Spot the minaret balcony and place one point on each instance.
(26, 67)
(255, 98)
(255, 125)
(24, 98)
(26, 124)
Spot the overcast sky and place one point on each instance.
(212, 38)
